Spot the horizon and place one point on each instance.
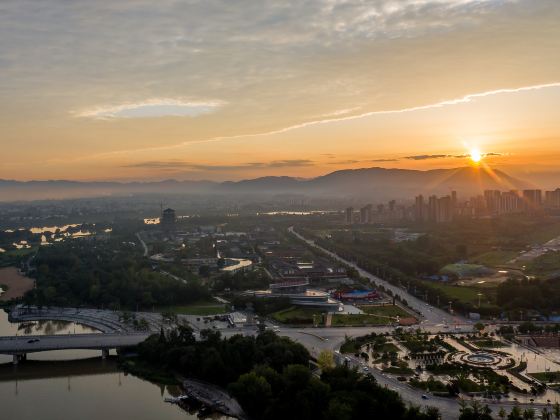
(148, 180)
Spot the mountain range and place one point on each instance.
(374, 183)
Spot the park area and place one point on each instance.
(13, 283)
(372, 315)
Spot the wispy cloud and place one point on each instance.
(441, 104)
(182, 165)
(152, 108)
(428, 157)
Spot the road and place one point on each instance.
(106, 321)
(27, 344)
(143, 244)
(431, 314)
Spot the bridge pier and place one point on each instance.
(17, 357)
(104, 353)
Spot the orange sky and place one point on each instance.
(139, 90)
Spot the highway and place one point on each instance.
(432, 314)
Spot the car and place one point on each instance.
(366, 369)
(424, 397)
(33, 340)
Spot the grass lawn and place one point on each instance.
(386, 348)
(494, 258)
(396, 370)
(545, 264)
(544, 234)
(464, 294)
(295, 315)
(547, 377)
(199, 308)
(488, 343)
(360, 319)
(387, 310)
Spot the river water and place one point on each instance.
(68, 385)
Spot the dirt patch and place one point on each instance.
(17, 283)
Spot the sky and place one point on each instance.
(217, 90)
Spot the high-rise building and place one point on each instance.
(349, 215)
(168, 220)
(419, 209)
(444, 212)
(365, 215)
(532, 200)
(493, 201)
(432, 208)
(552, 199)
(511, 202)
(369, 213)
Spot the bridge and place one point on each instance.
(106, 321)
(20, 346)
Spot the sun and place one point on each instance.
(475, 156)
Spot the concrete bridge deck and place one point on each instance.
(21, 345)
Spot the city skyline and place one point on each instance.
(138, 91)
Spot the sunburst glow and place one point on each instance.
(475, 155)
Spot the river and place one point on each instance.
(76, 384)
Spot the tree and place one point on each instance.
(474, 411)
(204, 271)
(529, 414)
(253, 392)
(432, 413)
(338, 410)
(479, 326)
(325, 360)
(556, 410)
(502, 413)
(515, 414)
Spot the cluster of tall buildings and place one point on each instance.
(495, 202)
(491, 203)
(435, 209)
(446, 208)
(381, 213)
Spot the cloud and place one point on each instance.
(427, 157)
(167, 165)
(466, 155)
(356, 161)
(279, 65)
(152, 108)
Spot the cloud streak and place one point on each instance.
(168, 165)
(429, 157)
(451, 102)
(153, 108)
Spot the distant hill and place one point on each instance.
(386, 183)
(374, 183)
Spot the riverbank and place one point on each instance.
(137, 367)
(214, 398)
(17, 284)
